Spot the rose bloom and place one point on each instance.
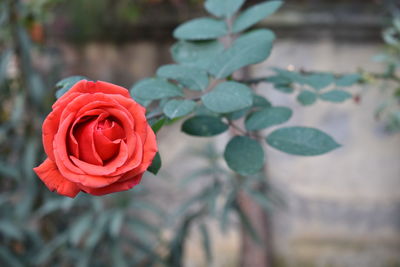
(97, 140)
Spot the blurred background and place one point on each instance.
(339, 209)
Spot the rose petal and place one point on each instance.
(51, 177)
(115, 187)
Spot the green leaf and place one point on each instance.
(79, 228)
(260, 102)
(307, 97)
(335, 96)
(319, 81)
(237, 114)
(348, 79)
(190, 77)
(198, 54)
(155, 165)
(156, 125)
(250, 48)
(267, 117)
(178, 108)
(301, 141)
(201, 29)
(116, 223)
(228, 97)
(204, 126)
(65, 84)
(255, 14)
(244, 155)
(155, 88)
(287, 89)
(223, 8)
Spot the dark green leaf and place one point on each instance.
(201, 29)
(335, 96)
(348, 80)
(228, 97)
(197, 54)
(155, 88)
(244, 155)
(307, 97)
(223, 8)
(204, 126)
(250, 48)
(190, 77)
(301, 141)
(156, 125)
(65, 84)
(267, 117)
(178, 108)
(155, 165)
(255, 14)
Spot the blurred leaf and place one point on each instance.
(250, 48)
(223, 8)
(255, 14)
(287, 89)
(246, 223)
(155, 165)
(51, 205)
(190, 77)
(8, 171)
(206, 242)
(302, 141)
(155, 88)
(244, 155)
(228, 97)
(10, 230)
(148, 207)
(267, 117)
(227, 208)
(157, 124)
(261, 199)
(204, 126)
(348, 80)
(118, 259)
(97, 231)
(79, 228)
(116, 223)
(237, 114)
(286, 77)
(260, 102)
(319, 81)
(335, 96)
(307, 98)
(201, 29)
(8, 258)
(65, 84)
(48, 250)
(198, 54)
(178, 108)
(4, 60)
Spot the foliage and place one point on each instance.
(203, 90)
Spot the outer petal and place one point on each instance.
(52, 178)
(90, 87)
(115, 187)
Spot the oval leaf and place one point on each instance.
(267, 117)
(250, 48)
(155, 88)
(198, 54)
(190, 77)
(307, 98)
(335, 96)
(255, 14)
(178, 108)
(65, 84)
(319, 81)
(201, 29)
(348, 80)
(260, 102)
(204, 126)
(228, 97)
(244, 155)
(301, 141)
(223, 8)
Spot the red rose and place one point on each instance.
(97, 140)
